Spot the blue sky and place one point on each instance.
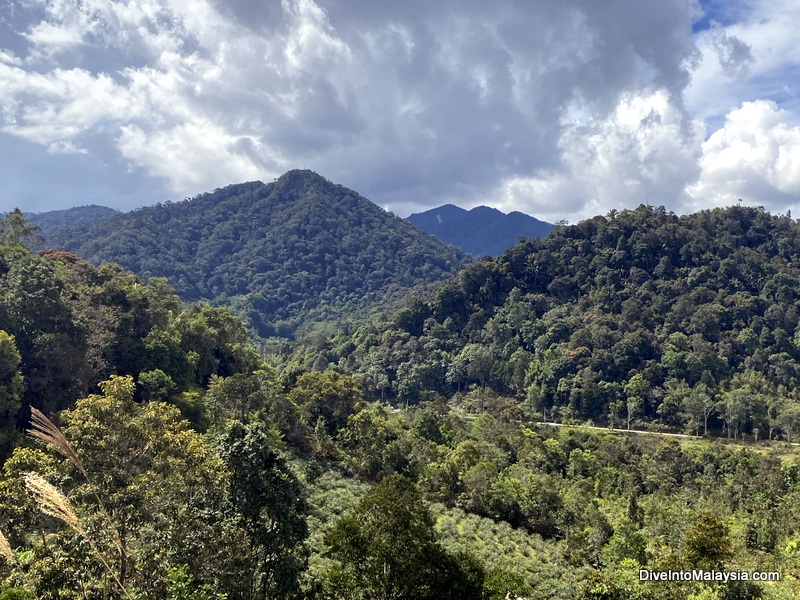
(561, 110)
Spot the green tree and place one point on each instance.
(156, 385)
(146, 490)
(707, 544)
(268, 503)
(635, 389)
(329, 395)
(11, 389)
(789, 419)
(16, 231)
(387, 549)
(697, 406)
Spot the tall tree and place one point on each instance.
(11, 388)
(267, 501)
(387, 548)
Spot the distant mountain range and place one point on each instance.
(52, 221)
(282, 254)
(481, 231)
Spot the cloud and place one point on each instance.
(754, 156)
(643, 152)
(562, 109)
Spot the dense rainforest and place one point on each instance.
(58, 223)
(282, 254)
(638, 318)
(166, 457)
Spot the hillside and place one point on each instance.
(482, 231)
(51, 222)
(287, 485)
(683, 323)
(282, 254)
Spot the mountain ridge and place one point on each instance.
(481, 231)
(282, 253)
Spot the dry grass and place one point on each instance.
(52, 502)
(44, 430)
(6, 551)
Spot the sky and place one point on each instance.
(562, 110)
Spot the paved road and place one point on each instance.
(618, 430)
(640, 432)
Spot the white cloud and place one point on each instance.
(561, 109)
(189, 156)
(753, 58)
(642, 152)
(754, 156)
(60, 105)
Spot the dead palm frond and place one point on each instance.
(44, 430)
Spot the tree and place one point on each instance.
(634, 389)
(387, 549)
(329, 395)
(268, 503)
(706, 543)
(698, 406)
(789, 419)
(11, 389)
(147, 492)
(16, 231)
(733, 409)
(156, 385)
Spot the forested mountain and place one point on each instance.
(52, 221)
(482, 231)
(171, 462)
(282, 254)
(682, 322)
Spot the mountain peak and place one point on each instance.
(283, 254)
(480, 231)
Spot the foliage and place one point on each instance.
(73, 325)
(281, 254)
(387, 547)
(644, 317)
(268, 503)
(153, 498)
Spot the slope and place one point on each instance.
(281, 254)
(52, 221)
(684, 323)
(482, 231)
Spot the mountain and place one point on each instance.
(281, 254)
(52, 221)
(482, 231)
(639, 315)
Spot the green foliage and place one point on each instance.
(15, 230)
(387, 548)
(56, 223)
(74, 325)
(707, 543)
(282, 254)
(154, 499)
(268, 503)
(16, 594)
(179, 587)
(688, 323)
(11, 390)
(331, 396)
